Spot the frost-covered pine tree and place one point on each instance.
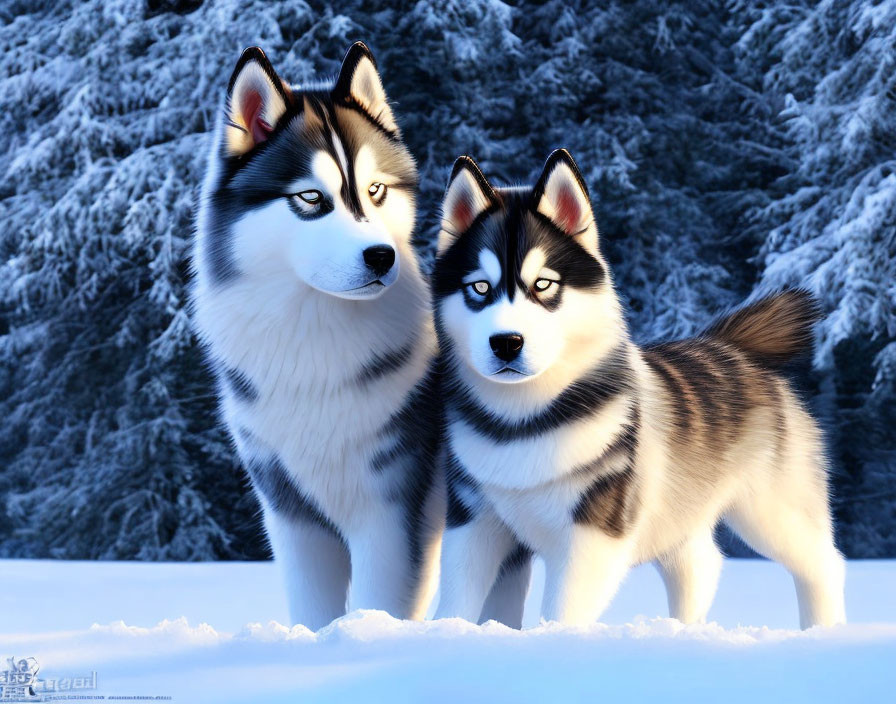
(728, 147)
(831, 226)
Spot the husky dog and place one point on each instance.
(567, 440)
(310, 302)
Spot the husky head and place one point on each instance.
(314, 184)
(520, 284)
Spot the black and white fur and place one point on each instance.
(566, 439)
(314, 313)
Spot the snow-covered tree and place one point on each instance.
(729, 147)
(831, 226)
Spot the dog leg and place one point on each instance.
(506, 600)
(425, 581)
(383, 574)
(315, 567)
(583, 574)
(802, 542)
(785, 516)
(691, 574)
(471, 557)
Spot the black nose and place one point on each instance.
(506, 346)
(379, 258)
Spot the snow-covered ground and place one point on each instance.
(221, 641)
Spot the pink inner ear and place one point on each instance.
(569, 211)
(462, 212)
(251, 109)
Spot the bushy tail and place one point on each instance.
(773, 330)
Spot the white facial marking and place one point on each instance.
(552, 337)
(340, 152)
(472, 330)
(365, 169)
(304, 184)
(395, 211)
(532, 265)
(327, 173)
(491, 266)
(367, 174)
(326, 251)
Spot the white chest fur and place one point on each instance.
(541, 458)
(304, 353)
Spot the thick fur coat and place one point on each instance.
(568, 440)
(316, 319)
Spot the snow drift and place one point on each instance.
(209, 633)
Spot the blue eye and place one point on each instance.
(310, 197)
(480, 288)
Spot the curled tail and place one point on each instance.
(773, 330)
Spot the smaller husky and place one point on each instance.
(568, 440)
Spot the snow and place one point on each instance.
(211, 632)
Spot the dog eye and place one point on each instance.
(542, 285)
(377, 193)
(480, 288)
(310, 197)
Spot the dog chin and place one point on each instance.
(368, 292)
(508, 375)
(365, 292)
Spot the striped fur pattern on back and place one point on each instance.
(567, 440)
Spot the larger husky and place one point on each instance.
(317, 321)
(568, 440)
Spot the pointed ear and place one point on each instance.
(360, 82)
(256, 100)
(468, 195)
(562, 196)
